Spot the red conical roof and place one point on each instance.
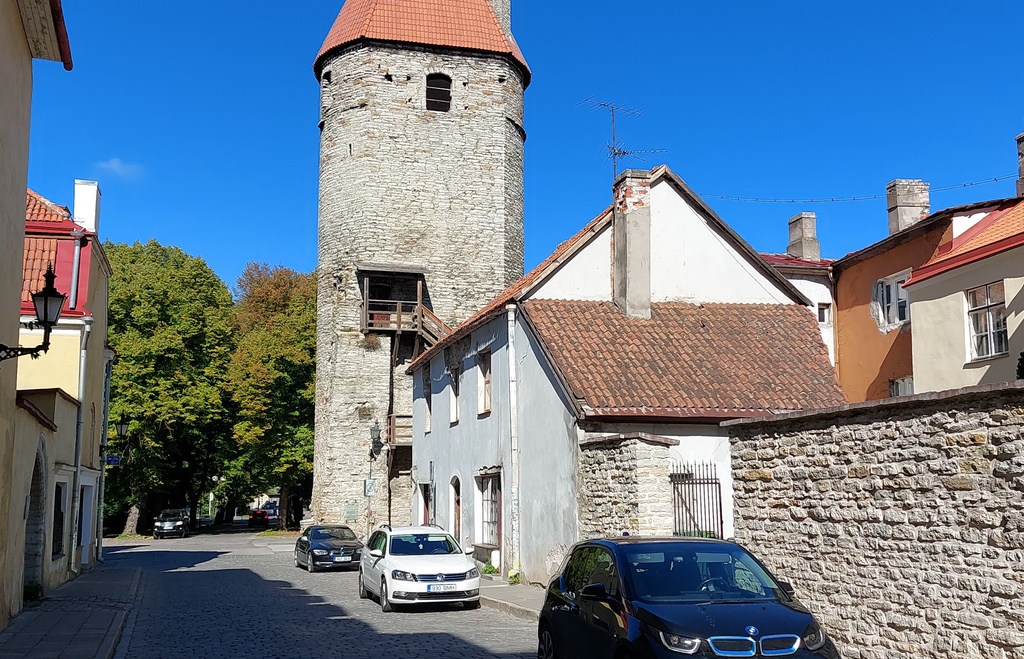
(466, 24)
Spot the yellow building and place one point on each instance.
(28, 29)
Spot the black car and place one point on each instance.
(646, 598)
(173, 521)
(326, 547)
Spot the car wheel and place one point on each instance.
(309, 563)
(475, 604)
(363, 593)
(385, 604)
(295, 558)
(546, 644)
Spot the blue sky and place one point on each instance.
(199, 119)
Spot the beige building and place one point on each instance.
(968, 301)
(28, 29)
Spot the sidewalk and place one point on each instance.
(82, 619)
(519, 601)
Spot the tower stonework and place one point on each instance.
(420, 215)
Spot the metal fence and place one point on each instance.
(696, 499)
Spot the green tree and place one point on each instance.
(272, 382)
(170, 324)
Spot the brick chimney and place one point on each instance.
(631, 236)
(87, 205)
(803, 237)
(908, 203)
(1020, 165)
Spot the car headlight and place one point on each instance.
(473, 574)
(178, 523)
(814, 638)
(403, 576)
(680, 644)
(320, 552)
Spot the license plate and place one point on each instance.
(342, 559)
(441, 588)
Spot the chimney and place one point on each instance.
(631, 235)
(803, 237)
(503, 10)
(87, 205)
(1020, 165)
(907, 201)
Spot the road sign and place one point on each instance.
(113, 460)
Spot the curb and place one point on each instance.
(514, 610)
(127, 619)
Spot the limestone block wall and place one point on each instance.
(623, 485)
(899, 522)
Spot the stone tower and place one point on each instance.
(420, 223)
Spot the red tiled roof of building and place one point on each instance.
(39, 253)
(1000, 230)
(40, 209)
(787, 260)
(463, 24)
(709, 361)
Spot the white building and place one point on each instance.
(555, 411)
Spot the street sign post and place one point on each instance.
(113, 460)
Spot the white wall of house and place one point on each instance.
(941, 331)
(818, 289)
(690, 261)
(586, 276)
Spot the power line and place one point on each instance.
(826, 200)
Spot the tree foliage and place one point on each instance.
(272, 378)
(170, 324)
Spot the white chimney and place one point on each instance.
(803, 237)
(908, 203)
(87, 205)
(1020, 165)
(631, 233)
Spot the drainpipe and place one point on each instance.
(78, 234)
(108, 370)
(513, 406)
(76, 498)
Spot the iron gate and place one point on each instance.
(696, 500)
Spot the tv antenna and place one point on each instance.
(617, 149)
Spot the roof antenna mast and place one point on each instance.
(616, 149)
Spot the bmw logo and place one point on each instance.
(440, 577)
(752, 631)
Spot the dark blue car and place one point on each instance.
(646, 598)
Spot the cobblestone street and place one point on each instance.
(239, 595)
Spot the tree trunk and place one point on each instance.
(282, 509)
(131, 525)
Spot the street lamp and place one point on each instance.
(121, 425)
(375, 443)
(48, 304)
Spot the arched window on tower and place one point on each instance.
(439, 92)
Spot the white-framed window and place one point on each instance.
(986, 312)
(483, 392)
(901, 386)
(892, 301)
(490, 509)
(428, 398)
(455, 374)
(824, 313)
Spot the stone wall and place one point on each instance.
(899, 522)
(623, 485)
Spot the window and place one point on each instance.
(455, 373)
(483, 364)
(893, 303)
(439, 92)
(428, 398)
(986, 310)
(490, 497)
(59, 496)
(901, 386)
(824, 313)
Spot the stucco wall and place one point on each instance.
(900, 524)
(586, 276)
(819, 291)
(941, 331)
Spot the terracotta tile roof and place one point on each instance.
(711, 360)
(39, 253)
(40, 209)
(464, 24)
(789, 261)
(1001, 230)
(524, 283)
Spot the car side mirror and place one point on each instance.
(787, 588)
(376, 553)
(468, 550)
(594, 592)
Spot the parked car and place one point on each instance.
(322, 547)
(270, 507)
(417, 564)
(655, 598)
(258, 519)
(173, 521)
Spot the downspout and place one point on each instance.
(78, 234)
(76, 498)
(513, 405)
(108, 371)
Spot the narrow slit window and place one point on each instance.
(439, 92)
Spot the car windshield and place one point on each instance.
(333, 533)
(422, 544)
(696, 572)
(170, 514)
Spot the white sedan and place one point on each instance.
(417, 564)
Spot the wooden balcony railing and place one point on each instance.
(400, 430)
